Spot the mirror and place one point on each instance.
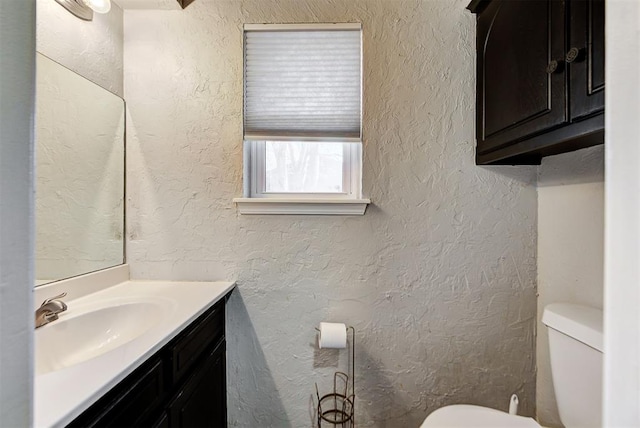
(79, 158)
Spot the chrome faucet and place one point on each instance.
(50, 309)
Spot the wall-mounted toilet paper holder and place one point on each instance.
(338, 408)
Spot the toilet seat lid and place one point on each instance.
(465, 415)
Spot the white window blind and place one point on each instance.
(302, 84)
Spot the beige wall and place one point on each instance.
(570, 249)
(438, 278)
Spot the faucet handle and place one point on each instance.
(59, 296)
(50, 316)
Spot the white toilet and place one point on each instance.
(575, 347)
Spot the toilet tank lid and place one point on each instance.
(579, 322)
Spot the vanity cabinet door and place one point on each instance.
(520, 71)
(202, 400)
(205, 332)
(131, 403)
(163, 422)
(585, 58)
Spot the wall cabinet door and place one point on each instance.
(585, 58)
(521, 84)
(131, 403)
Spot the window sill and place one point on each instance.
(250, 206)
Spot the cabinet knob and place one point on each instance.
(555, 66)
(575, 54)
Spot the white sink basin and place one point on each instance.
(106, 334)
(86, 333)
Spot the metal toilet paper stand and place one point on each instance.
(337, 407)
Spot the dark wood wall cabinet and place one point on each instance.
(182, 385)
(540, 78)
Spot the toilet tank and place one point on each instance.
(575, 347)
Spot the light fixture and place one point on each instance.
(84, 9)
(98, 6)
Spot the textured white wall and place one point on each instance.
(80, 174)
(438, 277)
(570, 249)
(17, 72)
(92, 49)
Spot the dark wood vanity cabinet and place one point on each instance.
(182, 385)
(540, 78)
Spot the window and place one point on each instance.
(302, 119)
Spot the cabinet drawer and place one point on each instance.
(129, 404)
(207, 331)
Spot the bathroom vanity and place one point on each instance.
(182, 385)
(136, 353)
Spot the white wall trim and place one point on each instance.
(621, 406)
(302, 206)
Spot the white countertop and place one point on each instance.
(62, 395)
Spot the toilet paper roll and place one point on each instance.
(332, 335)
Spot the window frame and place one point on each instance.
(351, 173)
(257, 201)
